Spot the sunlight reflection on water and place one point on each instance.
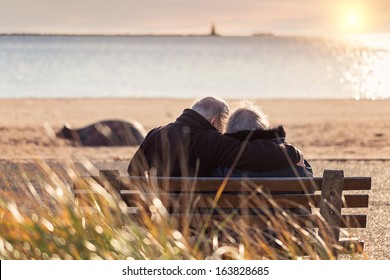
(190, 67)
(367, 76)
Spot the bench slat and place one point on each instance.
(239, 184)
(351, 245)
(197, 220)
(234, 201)
(241, 201)
(347, 221)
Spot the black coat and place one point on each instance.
(275, 135)
(191, 146)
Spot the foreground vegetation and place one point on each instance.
(104, 230)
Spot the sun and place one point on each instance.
(352, 19)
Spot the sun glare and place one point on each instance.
(354, 21)
(354, 18)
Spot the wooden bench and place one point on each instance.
(327, 204)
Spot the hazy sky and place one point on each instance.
(231, 17)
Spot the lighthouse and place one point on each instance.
(213, 32)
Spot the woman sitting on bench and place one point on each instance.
(249, 123)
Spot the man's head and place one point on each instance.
(247, 117)
(213, 109)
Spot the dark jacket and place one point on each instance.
(274, 135)
(191, 146)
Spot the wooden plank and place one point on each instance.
(353, 221)
(351, 246)
(197, 220)
(238, 184)
(254, 201)
(355, 201)
(282, 200)
(330, 208)
(234, 184)
(357, 183)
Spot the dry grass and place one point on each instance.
(41, 221)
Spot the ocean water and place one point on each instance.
(190, 67)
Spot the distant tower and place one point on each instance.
(213, 32)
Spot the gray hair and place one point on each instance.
(212, 107)
(247, 117)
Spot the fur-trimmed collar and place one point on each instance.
(271, 133)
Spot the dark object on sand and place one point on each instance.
(105, 133)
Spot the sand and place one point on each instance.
(320, 128)
(333, 134)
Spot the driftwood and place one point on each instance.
(105, 133)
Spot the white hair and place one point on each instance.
(247, 117)
(212, 107)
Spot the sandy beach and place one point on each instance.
(333, 134)
(320, 128)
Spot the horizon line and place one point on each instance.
(135, 34)
(260, 34)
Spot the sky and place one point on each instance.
(231, 17)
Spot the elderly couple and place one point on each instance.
(195, 145)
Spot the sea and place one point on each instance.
(254, 67)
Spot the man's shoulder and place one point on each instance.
(169, 130)
(152, 132)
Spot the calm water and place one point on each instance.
(182, 67)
